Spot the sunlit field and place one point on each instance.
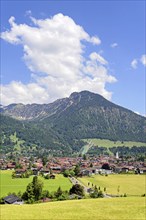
(7, 184)
(88, 209)
(132, 185)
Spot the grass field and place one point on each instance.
(107, 143)
(132, 185)
(88, 209)
(7, 184)
(86, 147)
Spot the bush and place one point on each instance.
(2, 200)
(45, 194)
(47, 176)
(97, 193)
(67, 173)
(58, 193)
(77, 189)
(64, 196)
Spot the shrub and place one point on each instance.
(97, 193)
(77, 189)
(2, 200)
(59, 192)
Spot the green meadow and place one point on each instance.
(7, 184)
(132, 185)
(88, 209)
(107, 143)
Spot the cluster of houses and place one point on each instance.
(88, 165)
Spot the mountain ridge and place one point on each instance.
(11, 109)
(64, 123)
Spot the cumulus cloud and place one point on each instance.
(95, 40)
(54, 53)
(19, 92)
(143, 59)
(113, 45)
(28, 13)
(134, 64)
(98, 58)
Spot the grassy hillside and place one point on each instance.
(108, 143)
(103, 209)
(7, 184)
(91, 142)
(132, 185)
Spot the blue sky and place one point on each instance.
(52, 48)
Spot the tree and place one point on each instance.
(91, 164)
(66, 173)
(13, 175)
(63, 196)
(18, 166)
(47, 176)
(97, 193)
(19, 194)
(84, 157)
(28, 195)
(77, 170)
(118, 189)
(104, 189)
(2, 200)
(45, 194)
(72, 173)
(106, 166)
(33, 191)
(77, 189)
(59, 192)
(44, 160)
(37, 187)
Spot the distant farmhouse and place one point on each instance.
(12, 199)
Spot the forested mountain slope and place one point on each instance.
(65, 122)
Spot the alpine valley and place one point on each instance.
(64, 126)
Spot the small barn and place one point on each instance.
(12, 199)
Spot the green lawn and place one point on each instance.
(132, 185)
(7, 184)
(88, 209)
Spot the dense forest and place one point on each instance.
(60, 126)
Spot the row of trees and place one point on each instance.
(35, 193)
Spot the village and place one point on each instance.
(103, 165)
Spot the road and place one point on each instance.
(76, 181)
(86, 189)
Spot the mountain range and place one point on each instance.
(63, 124)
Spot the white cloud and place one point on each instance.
(134, 64)
(28, 13)
(95, 40)
(19, 92)
(98, 57)
(113, 45)
(54, 53)
(143, 59)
